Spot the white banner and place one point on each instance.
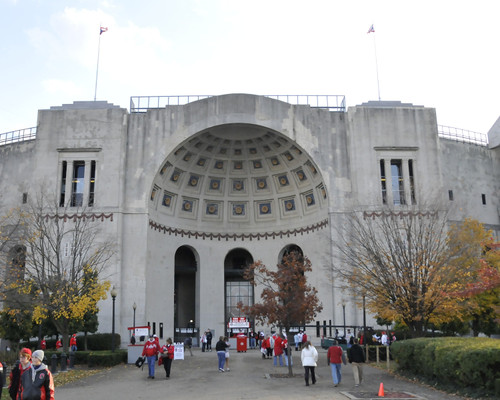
(178, 351)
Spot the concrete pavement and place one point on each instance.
(197, 377)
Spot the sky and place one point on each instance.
(443, 54)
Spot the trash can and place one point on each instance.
(241, 343)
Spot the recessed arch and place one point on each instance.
(186, 267)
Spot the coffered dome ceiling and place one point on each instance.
(238, 178)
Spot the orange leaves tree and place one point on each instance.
(59, 276)
(477, 265)
(404, 263)
(287, 300)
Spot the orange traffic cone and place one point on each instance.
(381, 390)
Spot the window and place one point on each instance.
(77, 183)
(237, 291)
(398, 191)
(483, 198)
(92, 183)
(383, 182)
(450, 195)
(412, 182)
(62, 197)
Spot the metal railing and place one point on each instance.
(462, 135)
(144, 103)
(20, 135)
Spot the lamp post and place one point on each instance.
(135, 308)
(364, 321)
(343, 313)
(113, 295)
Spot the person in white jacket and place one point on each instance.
(309, 357)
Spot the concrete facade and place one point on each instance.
(196, 190)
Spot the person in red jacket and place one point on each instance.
(72, 342)
(278, 350)
(43, 344)
(151, 350)
(37, 382)
(334, 360)
(21, 367)
(167, 355)
(58, 344)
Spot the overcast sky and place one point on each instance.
(443, 54)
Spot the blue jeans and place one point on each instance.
(221, 355)
(281, 360)
(286, 359)
(151, 365)
(252, 343)
(336, 374)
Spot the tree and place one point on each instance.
(478, 265)
(62, 266)
(287, 300)
(401, 261)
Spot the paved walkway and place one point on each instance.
(197, 378)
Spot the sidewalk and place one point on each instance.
(197, 378)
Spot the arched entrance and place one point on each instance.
(185, 287)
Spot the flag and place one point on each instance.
(372, 29)
(103, 30)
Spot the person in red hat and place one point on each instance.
(21, 367)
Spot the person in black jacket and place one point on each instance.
(220, 348)
(356, 356)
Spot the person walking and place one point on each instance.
(334, 360)
(37, 382)
(220, 348)
(209, 339)
(72, 342)
(356, 356)
(309, 357)
(151, 350)
(167, 355)
(188, 343)
(20, 368)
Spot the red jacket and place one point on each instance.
(169, 348)
(150, 348)
(278, 346)
(334, 355)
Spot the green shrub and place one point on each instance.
(464, 362)
(106, 358)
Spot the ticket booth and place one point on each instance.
(237, 328)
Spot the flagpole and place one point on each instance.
(376, 66)
(97, 69)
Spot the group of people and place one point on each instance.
(336, 357)
(275, 346)
(206, 340)
(384, 339)
(31, 379)
(153, 351)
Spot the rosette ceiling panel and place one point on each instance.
(238, 178)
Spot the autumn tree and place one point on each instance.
(60, 276)
(287, 300)
(477, 263)
(402, 262)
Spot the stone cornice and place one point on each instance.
(237, 236)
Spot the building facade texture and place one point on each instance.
(193, 193)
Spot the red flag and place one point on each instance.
(103, 30)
